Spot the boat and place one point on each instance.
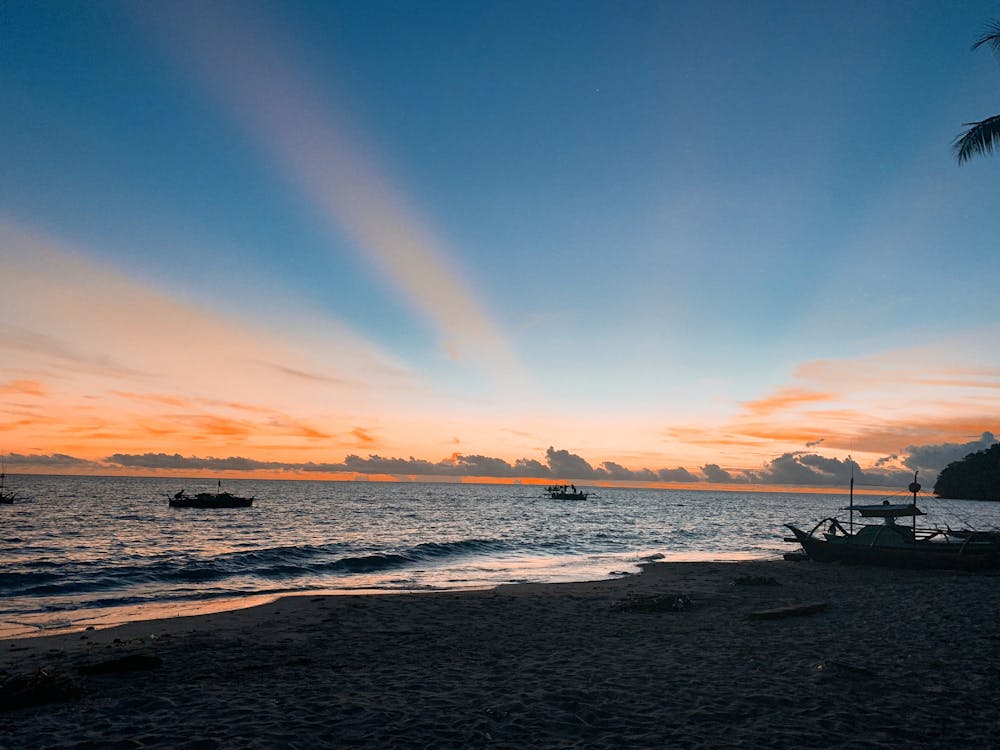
(6, 498)
(565, 492)
(218, 499)
(894, 544)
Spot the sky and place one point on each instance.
(662, 242)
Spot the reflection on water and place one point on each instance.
(97, 550)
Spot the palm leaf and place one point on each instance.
(979, 139)
(991, 38)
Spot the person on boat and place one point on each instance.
(573, 487)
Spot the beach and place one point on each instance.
(769, 653)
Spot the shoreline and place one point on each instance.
(45, 624)
(674, 656)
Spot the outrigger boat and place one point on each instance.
(217, 499)
(896, 545)
(565, 492)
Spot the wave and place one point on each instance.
(274, 563)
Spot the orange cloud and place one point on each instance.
(364, 437)
(23, 388)
(155, 398)
(785, 398)
(157, 373)
(870, 406)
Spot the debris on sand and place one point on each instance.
(35, 689)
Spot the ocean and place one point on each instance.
(82, 551)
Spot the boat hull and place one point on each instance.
(926, 555)
(211, 501)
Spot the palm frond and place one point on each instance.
(991, 38)
(979, 139)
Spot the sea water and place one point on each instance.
(84, 550)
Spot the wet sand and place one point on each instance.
(767, 654)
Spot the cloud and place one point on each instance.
(870, 405)
(715, 473)
(363, 436)
(812, 469)
(54, 460)
(560, 464)
(375, 464)
(155, 398)
(615, 471)
(23, 388)
(116, 364)
(39, 344)
(796, 468)
(177, 461)
(529, 467)
(933, 458)
(680, 474)
(785, 398)
(310, 376)
(485, 466)
(260, 78)
(806, 469)
(566, 464)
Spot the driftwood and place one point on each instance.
(793, 610)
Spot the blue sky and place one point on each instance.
(637, 217)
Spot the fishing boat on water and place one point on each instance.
(894, 544)
(6, 498)
(565, 492)
(217, 499)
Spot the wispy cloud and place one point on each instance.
(783, 398)
(34, 342)
(942, 392)
(258, 77)
(23, 388)
(142, 365)
(311, 376)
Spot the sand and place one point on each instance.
(680, 656)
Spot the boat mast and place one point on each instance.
(851, 506)
(915, 488)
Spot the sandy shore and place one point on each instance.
(678, 657)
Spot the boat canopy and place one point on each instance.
(886, 510)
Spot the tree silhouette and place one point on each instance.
(981, 136)
(975, 477)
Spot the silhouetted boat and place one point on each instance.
(6, 498)
(896, 545)
(218, 499)
(565, 492)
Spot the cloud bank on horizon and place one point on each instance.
(796, 469)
